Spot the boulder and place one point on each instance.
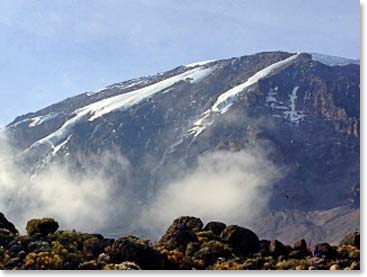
(242, 240)
(182, 223)
(182, 232)
(5, 224)
(276, 249)
(211, 251)
(38, 246)
(298, 254)
(15, 247)
(138, 251)
(192, 248)
(216, 227)
(264, 247)
(300, 245)
(351, 239)
(6, 237)
(324, 249)
(42, 226)
(13, 263)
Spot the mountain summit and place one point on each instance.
(298, 111)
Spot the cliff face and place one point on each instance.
(304, 112)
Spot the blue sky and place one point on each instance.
(51, 50)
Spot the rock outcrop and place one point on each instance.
(235, 248)
(5, 224)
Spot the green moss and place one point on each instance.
(43, 226)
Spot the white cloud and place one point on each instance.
(83, 201)
(232, 187)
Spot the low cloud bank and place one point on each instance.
(233, 187)
(84, 201)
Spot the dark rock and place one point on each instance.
(182, 231)
(351, 239)
(183, 223)
(216, 227)
(181, 238)
(35, 237)
(43, 226)
(21, 254)
(138, 251)
(13, 263)
(276, 249)
(300, 245)
(211, 251)
(243, 240)
(5, 224)
(324, 249)
(107, 242)
(15, 248)
(298, 254)
(39, 246)
(192, 248)
(6, 237)
(264, 247)
(93, 246)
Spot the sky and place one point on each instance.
(51, 50)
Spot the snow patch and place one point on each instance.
(228, 98)
(129, 99)
(119, 103)
(293, 115)
(57, 148)
(281, 110)
(42, 119)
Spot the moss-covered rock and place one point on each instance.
(139, 251)
(181, 232)
(211, 251)
(215, 227)
(43, 226)
(43, 260)
(243, 241)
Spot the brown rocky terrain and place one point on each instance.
(187, 244)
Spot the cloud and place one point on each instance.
(102, 196)
(233, 187)
(92, 200)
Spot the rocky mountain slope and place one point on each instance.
(302, 110)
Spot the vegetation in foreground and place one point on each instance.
(185, 245)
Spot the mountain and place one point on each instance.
(302, 111)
